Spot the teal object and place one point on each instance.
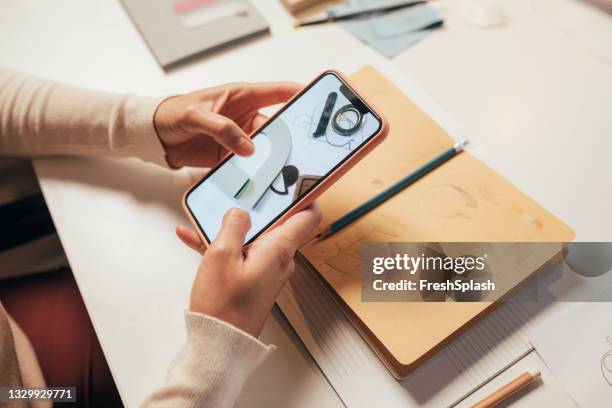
(377, 200)
(392, 31)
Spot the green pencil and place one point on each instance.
(380, 198)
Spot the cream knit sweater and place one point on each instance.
(40, 118)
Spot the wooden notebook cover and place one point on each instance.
(463, 200)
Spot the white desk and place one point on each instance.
(532, 101)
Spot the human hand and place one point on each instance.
(197, 129)
(240, 285)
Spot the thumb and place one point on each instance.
(231, 237)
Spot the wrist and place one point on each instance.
(159, 131)
(241, 319)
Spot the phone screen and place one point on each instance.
(302, 145)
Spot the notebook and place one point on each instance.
(464, 200)
(177, 29)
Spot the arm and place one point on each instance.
(212, 366)
(41, 117)
(231, 297)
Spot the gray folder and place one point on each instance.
(175, 30)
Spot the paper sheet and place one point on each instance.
(387, 46)
(577, 347)
(407, 20)
(389, 32)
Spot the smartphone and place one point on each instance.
(300, 151)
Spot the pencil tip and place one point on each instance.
(296, 23)
(535, 373)
(460, 145)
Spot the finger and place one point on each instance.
(224, 130)
(191, 239)
(300, 226)
(229, 241)
(201, 151)
(271, 93)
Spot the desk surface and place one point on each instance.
(533, 100)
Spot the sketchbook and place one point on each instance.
(463, 200)
(322, 300)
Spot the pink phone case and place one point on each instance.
(315, 192)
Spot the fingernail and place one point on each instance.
(237, 212)
(246, 146)
(234, 211)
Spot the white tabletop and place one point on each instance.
(532, 97)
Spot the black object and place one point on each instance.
(354, 99)
(24, 220)
(326, 115)
(290, 175)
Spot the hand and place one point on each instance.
(197, 129)
(240, 285)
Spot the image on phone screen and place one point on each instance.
(304, 143)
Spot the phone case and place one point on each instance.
(315, 192)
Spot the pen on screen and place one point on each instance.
(507, 390)
(380, 198)
(330, 16)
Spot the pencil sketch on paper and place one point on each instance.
(448, 202)
(606, 364)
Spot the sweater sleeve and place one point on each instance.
(212, 366)
(39, 117)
